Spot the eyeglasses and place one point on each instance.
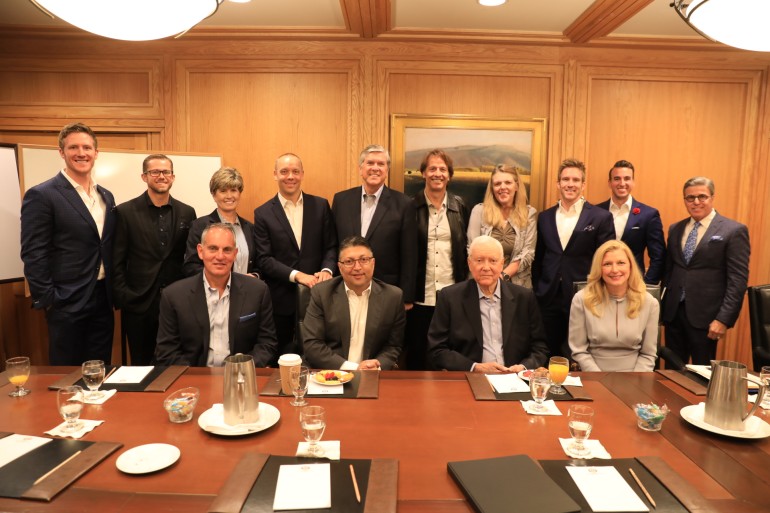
(700, 197)
(350, 262)
(155, 173)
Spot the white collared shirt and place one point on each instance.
(704, 225)
(492, 326)
(241, 263)
(566, 220)
(620, 215)
(367, 211)
(295, 213)
(96, 207)
(219, 319)
(438, 265)
(359, 308)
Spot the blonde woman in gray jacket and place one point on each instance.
(506, 216)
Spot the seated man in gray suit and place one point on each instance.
(215, 313)
(486, 324)
(352, 321)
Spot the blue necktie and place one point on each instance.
(689, 247)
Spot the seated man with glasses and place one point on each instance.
(353, 321)
(486, 324)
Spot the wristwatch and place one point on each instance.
(505, 276)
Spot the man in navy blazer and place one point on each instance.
(216, 313)
(382, 216)
(486, 324)
(296, 244)
(568, 234)
(67, 227)
(636, 224)
(707, 269)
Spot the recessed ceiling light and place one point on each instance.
(491, 3)
(240, 1)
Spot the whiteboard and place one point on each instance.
(10, 225)
(119, 171)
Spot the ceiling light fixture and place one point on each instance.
(738, 23)
(491, 3)
(131, 20)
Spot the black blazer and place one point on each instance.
(60, 245)
(457, 215)
(644, 229)
(391, 234)
(141, 266)
(555, 268)
(715, 279)
(193, 264)
(456, 339)
(184, 330)
(278, 253)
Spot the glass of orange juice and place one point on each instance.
(558, 367)
(17, 370)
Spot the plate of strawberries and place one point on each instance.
(332, 377)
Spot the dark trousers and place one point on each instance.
(75, 337)
(142, 333)
(556, 322)
(284, 331)
(686, 341)
(416, 337)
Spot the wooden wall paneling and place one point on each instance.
(253, 111)
(74, 88)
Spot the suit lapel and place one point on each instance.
(507, 304)
(373, 318)
(675, 240)
(280, 216)
(71, 195)
(710, 232)
(201, 312)
(581, 224)
(236, 300)
(551, 232)
(382, 207)
(633, 220)
(473, 311)
(342, 310)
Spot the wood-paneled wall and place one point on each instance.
(674, 112)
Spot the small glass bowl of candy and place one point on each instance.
(650, 417)
(180, 405)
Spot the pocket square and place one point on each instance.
(245, 318)
(716, 237)
(636, 228)
(589, 228)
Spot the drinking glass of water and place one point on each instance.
(299, 376)
(313, 422)
(17, 370)
(764, 375)
(70, 401)
(539, 384)
(93, 376)
(580, 421)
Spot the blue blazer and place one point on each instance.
(277, 251)
(715, 279)
(555, 268)
(644, 230)
(60, 245)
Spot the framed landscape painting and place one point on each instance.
(476, 145)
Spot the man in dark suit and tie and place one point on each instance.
(382, 216)
(568, 234)
(148, 254)
(707, 268)
(636, 224)
(353, 321)
(486, 324)
(216, 313)
(296, 244)
(67, 228)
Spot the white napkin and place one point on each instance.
(312, 479)
(573, 381)
(507, 383)
(550, 408)
(595, 446)
(106, 394)
(605, 489)
(216, 422)
(763, 405)
(331, 450)
(87, 427)
(316, 388)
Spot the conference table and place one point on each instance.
(421, 419)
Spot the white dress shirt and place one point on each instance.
(438, 265)
(219, 318)
(620, 215)
(359, 307)
(367, 209)
(295, 214)
(96, 207)
(566, 220)
(704, 225)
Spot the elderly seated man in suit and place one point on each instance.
(215, 313)
(486, 324)
(353, 321)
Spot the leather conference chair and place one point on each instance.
(303, 299)
(759, 318)
(667, 355)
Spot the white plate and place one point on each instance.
(144, 459)
(525, 374)
(212, 421)
(755, 427)
(344, 377)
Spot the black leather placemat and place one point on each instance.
(127, 387)
(364, 385)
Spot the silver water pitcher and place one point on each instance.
(241, 401)
(727, 395)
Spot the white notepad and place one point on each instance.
(605, 489)
(306, 486)
(129, 374)
(15, 446)
(507, 383)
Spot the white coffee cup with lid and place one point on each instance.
(285, 364)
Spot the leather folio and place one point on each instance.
(483, 391)
(251, 486)
(158, 380)
(365, 385)
(684, 379)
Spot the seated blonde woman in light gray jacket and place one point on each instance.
(613, 322)
(504, 215)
